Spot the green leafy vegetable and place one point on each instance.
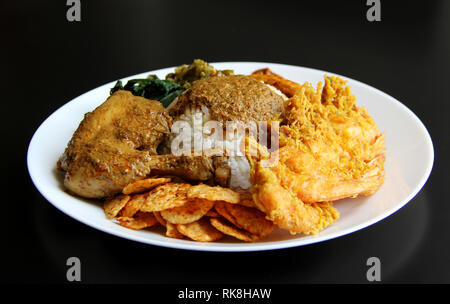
(152, 87)
(165, 91)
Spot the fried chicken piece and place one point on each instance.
(116, 144)
(329, 149)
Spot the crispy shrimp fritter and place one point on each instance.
(329, 149)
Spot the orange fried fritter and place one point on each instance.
(329, 149)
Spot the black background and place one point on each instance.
(47, 61)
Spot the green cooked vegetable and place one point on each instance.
(165, 91)
(185, 75)
(152, 87)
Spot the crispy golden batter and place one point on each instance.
(329, 149)
(286, 210)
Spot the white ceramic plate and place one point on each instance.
(409, 159)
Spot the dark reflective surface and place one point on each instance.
(106, 258)
(48, 61)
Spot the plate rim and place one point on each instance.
(245, 247)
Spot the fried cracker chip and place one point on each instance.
(140, 221)
(222, 210)
(229, 229)
(113, 206)
(213, 193)
(166, 196)
(145, 184)
(212, 213)
(173, 232)
(132, 206)
(250, 219)
(159, 218)
(201, 231)
(190, 212)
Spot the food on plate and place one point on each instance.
(112, 206)
(246, 198)
(285, 209)
(229, 229)
(230, 98)
(132, 207)
(329, 149)
(139, 221)
(225, 100)
(287, 87)
(212, 213)
(177, 205)
(190, 212)
(112, 145)
(223, 212)
(213, 193)
(152, 88)
(164, 197)
(144, 184)
(250, 219)
(201, 231)
(116, 144)
(159, 218)
(172, 231)
(185, 75)
(312, 147)
(166, 90)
